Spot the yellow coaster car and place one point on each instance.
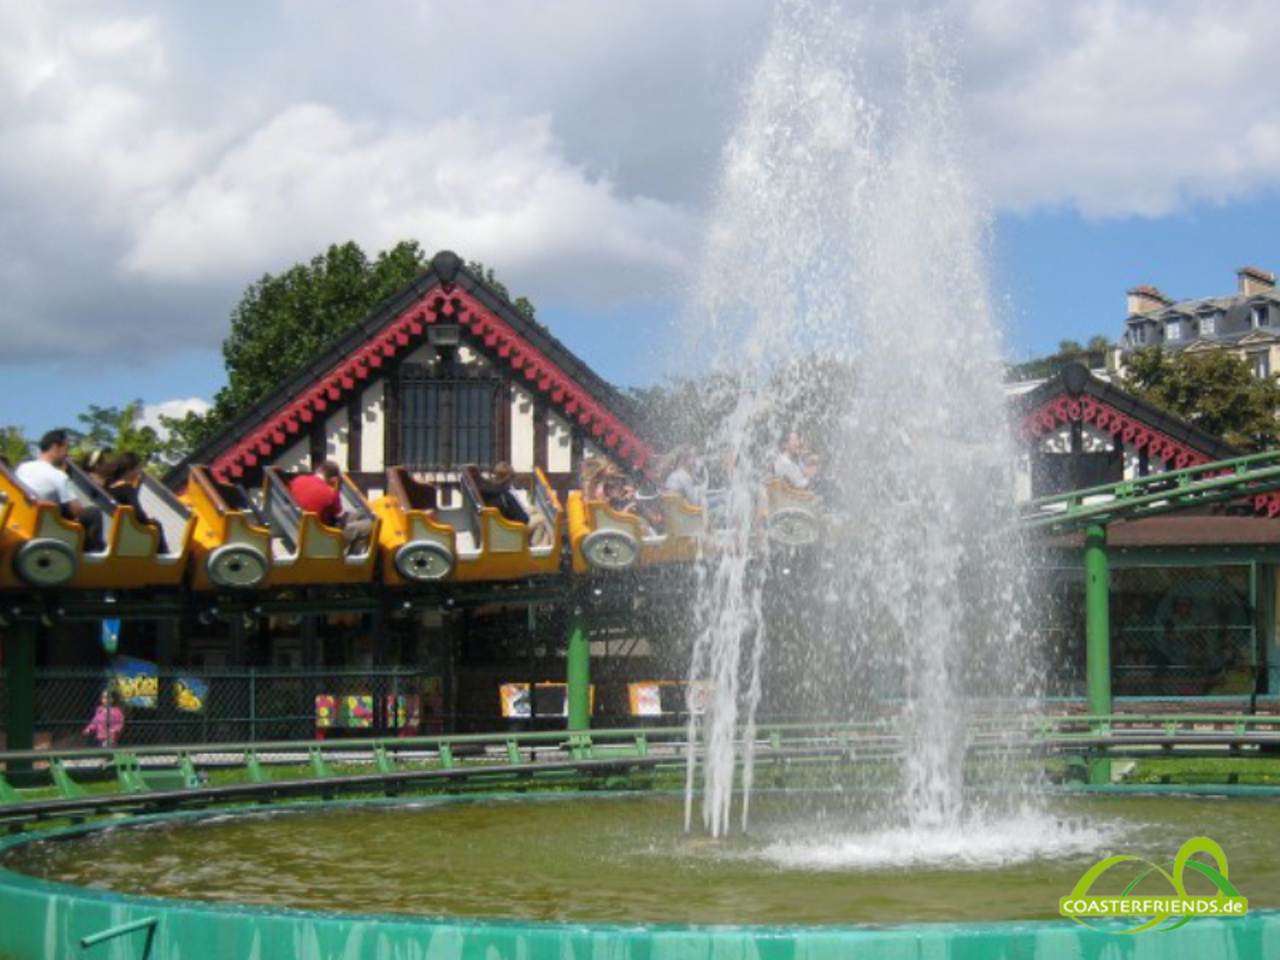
(44, 549)
(606, 539)
(434, 532)
(307, 550)
(248, 539)
(794, 516)
(231, 548)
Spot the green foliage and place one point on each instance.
(117, 429)
(490, 279)
(283, 321)
(1092, 354)
(14, 445)
(1215, 390)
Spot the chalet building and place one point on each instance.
(446, 373)
(1247, 322)
(1195, 608)
(1079, 429)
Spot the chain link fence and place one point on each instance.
(1180, 637)
(248, 705)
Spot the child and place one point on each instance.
(108, 722)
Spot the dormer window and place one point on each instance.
(1138, 333)
(1208, 325)
(1259, 317)
(1173, 330)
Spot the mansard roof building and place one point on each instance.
(1246, 322)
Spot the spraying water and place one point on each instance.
(844, 291)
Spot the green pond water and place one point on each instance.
(827, 860)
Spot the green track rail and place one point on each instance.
(1208, 484)
(47, 785)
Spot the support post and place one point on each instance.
(20, 686)
(1098, 634)
(579, 673)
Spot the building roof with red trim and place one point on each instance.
(1075, 395)
(448, 292)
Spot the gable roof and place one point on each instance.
(447, 292)
(1077, 395)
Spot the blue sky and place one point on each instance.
(157, 158)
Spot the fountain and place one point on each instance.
(843, 292)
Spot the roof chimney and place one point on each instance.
(1254, 280)
(1146, 300)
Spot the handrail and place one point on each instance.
(516, 757)
(1040, 726)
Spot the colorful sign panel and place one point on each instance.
(190, 694)
(137, 682)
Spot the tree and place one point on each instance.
(14, 445)
(1216, 391)
(118, 429)
(282, 321)
(1092, 354)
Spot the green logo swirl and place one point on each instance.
(1179, 907)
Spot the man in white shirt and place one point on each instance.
(47, 478)
(789, 466)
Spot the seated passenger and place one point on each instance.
(619, 494)
(498, 491)
(120, 476)
(790, 466)
(595, 471)
(95, 463)
(47, 478)
(687, 478)
(320, 493)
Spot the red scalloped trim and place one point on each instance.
(405, 332)
(1065, 410)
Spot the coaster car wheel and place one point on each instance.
(794, 527)
(44, 562)
(236, 566)
(610, 550)
(422, 561)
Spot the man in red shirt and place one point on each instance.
(319, 493)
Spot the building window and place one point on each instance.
(1138, 334)
(1208, 325)
(1260, 364)
(1173, 330)
(446, 423)
(1258, 316)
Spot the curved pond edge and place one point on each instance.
(43, 919)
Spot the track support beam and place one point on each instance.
(1098, 634)
(579, 673)
(20, 688)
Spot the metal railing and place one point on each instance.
(42, 785)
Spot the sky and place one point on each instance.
(157, 158)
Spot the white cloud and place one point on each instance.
(502, 192)
(155, 160)
(152, 412)
(1122, 108)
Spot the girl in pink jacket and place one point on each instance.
(107, 724)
